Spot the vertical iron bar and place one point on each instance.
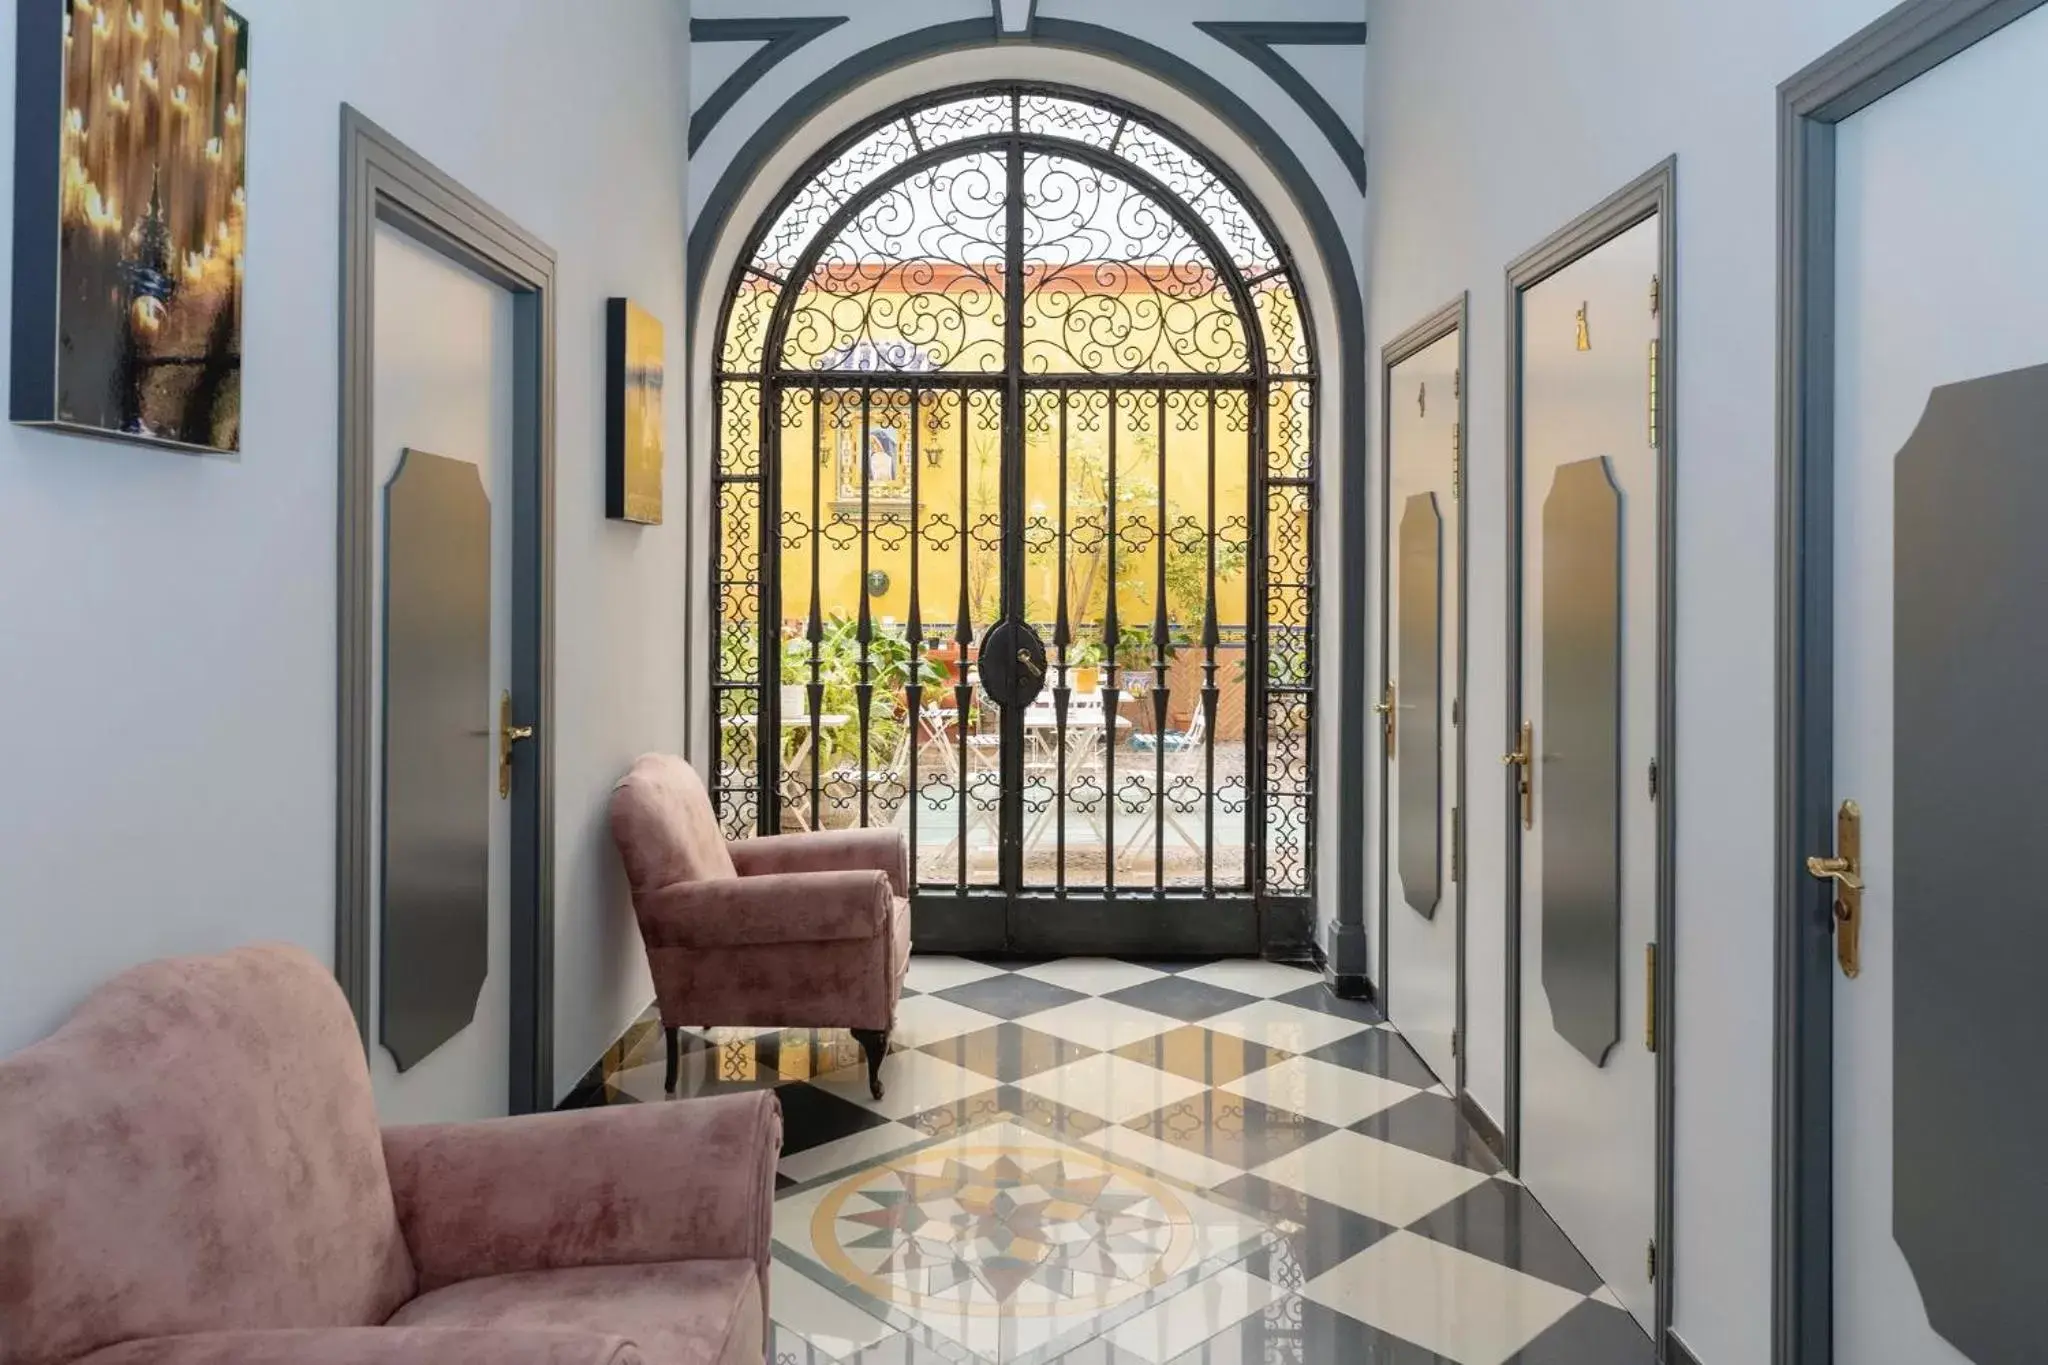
(1313, 592)
(1209, 637)
(815, 630)
(963, 639)
(1060, 693)
(1011, 842)
(913, 683)
(864, 690)
(1160, 627)
(716, 616)
(768, 633)
(1112, 706)
(1256, 645)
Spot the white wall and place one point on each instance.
(1493, 125)
(167, 624)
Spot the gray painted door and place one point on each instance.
(444, 384)
(1421, 970)
(1940, 573)
(1589, 686)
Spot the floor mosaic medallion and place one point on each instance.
(1007, 1241)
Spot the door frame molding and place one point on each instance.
(1655, 193)
(1453, 317)
(1897, 49)
(384, 181)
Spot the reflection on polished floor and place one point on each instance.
(1097, 1162)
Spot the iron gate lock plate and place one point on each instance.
(1012, 664)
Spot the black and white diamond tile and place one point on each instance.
(1008, 1051)
(1378, 1051)
(1202, 1054)
(1335, 1205)
(1181, 997)
(1429, 1121)
(1009, 995)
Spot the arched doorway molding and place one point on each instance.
(1190, 105)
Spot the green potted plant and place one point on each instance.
(1135, 657)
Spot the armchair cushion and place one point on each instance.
(664, 826)
(598, 1187)
(377, 1346)
(848, 984)
(782, 907)
(681, 1313)
(878, 850)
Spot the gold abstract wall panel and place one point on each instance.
(633, 413)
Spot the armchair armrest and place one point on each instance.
(876, 850)
(622, 1186)
(752, 912)
(376, 1346)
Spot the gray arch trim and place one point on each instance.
(781, 37)
(1254, 40)
(1347, 944)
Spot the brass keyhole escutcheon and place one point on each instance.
(1845, 870)
(1524, 758)
(508, 735)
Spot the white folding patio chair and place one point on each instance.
(1175, 801)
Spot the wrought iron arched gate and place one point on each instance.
(1014, 517)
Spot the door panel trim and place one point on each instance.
(1895, 50)
(384, 181)
(1452, 317)
(1653, 194)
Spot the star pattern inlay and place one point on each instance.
(1007, 1230)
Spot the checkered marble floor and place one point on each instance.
(1106, 1162)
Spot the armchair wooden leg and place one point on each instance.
(675, 1056)
(875, 1043)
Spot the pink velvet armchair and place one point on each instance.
(194, 1175)
(787, 931)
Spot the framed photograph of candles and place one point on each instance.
(633, 381)
(131, 137)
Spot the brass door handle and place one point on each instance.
(1845, 870)
(1838, 870)
(508, 735)
(1524, 758)
(1031, 665)
(1389, 724)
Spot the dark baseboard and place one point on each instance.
(1489, 1131)
(1346, 986)
(1676, 1352)
(1287, 930)
(591, 1091)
